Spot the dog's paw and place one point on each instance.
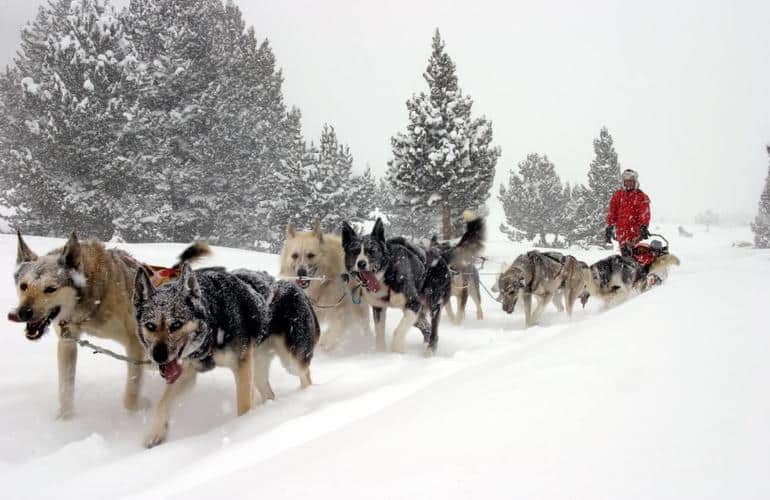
(480, 315)
(380, 344)
(398, 347)
(156, 436)
(429, 352)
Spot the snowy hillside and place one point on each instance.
(663, 397)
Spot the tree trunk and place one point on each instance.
(446, 223)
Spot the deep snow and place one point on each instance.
(665, 396)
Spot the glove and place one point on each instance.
(609, 233)
(645, 233)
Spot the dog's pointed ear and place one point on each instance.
(291, 232)
(378, 231)
(189, 281)
(143, 288)
(317, 232)
(348, 234)
(23, 252)
(70, 254)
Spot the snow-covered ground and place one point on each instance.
(666, 396)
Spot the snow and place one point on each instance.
(29, 85)
(662, 397)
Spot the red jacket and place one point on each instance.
(629, 209)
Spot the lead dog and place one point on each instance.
(82, 287)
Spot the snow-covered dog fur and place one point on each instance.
(210, 317)
(534, 273)
(314, 254)
(80, 288)
(396, 273)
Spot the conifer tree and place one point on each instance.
(603, 181)
(444, 163)
(534, 200)
(66, 100)
(761, 224)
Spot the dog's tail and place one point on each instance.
(471, 243)
(194, 252)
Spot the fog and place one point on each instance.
(684, 87)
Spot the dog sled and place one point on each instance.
(653, 259)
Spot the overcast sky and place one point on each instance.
(683, 86)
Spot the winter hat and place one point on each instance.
(629, 174)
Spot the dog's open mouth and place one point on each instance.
(171, 371)
(36, 329)
(370, 281)
(303, 283)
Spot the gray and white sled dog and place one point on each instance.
(315, 254)
(532, 274)
(80, 288)
(210, 317)
(396, 273)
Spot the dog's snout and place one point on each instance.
(301, 272)
(361, 264)
(160, 353)
(24, 314)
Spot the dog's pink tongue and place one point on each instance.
(370, 280)
(171, 371)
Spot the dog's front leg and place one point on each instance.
(379, 326)
(131, 399)
(476, 297)
(526, 298)
(407, 321)
(67, 355)
(158, 429)
(542, 301)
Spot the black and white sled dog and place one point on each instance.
(414, 278)
(210, 317)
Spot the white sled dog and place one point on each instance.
(315, 254)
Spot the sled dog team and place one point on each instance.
(186, 321)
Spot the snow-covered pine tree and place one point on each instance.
(603, 181)
(761, 224)
(577, 220)
(364, 198)
(318, 186)
(213, 121)
(66, 100)
(534, 200)
(444, 163)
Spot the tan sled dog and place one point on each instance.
(315, 254)
(81, 288)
